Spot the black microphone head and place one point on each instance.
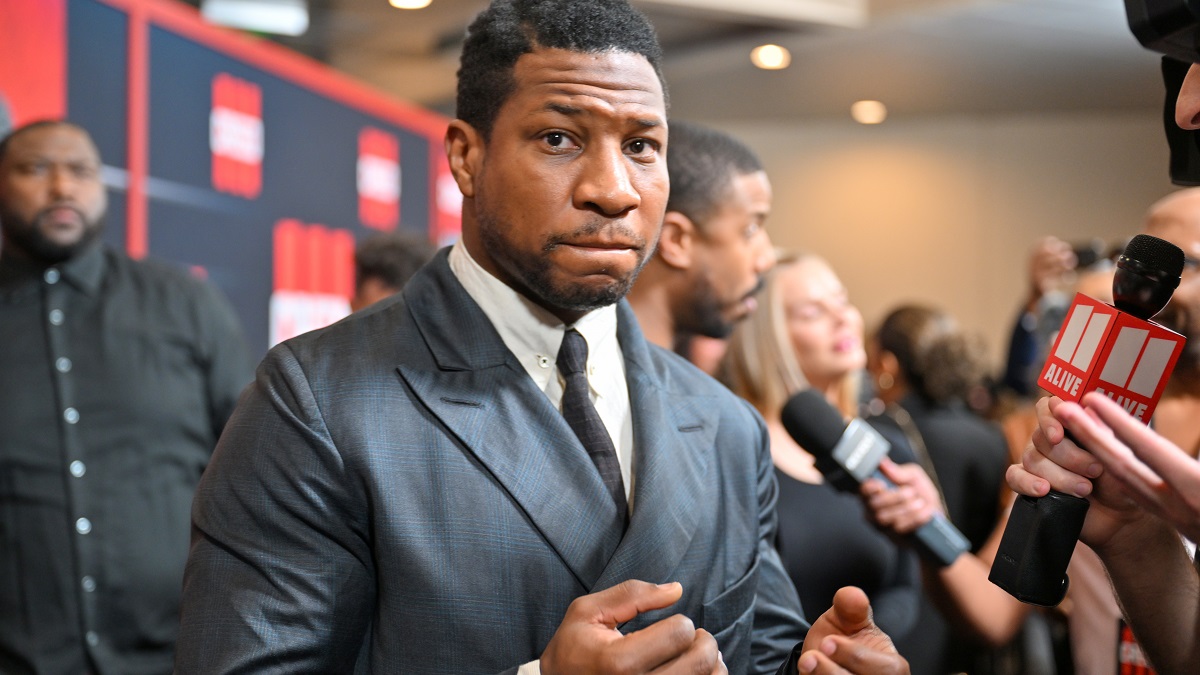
(1148, 272)
(815, 424)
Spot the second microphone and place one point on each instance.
(847, 455)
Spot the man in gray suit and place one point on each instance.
(400, 492)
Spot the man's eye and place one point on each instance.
(640, 146)
(556, 140)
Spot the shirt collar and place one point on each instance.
(529, 331)
(84, 271)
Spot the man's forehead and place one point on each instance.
(1180, 227)
(630, 76)
(58, 138)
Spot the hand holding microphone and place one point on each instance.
(1117, 352)
(848, 455)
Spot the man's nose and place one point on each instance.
(765, 252)
(1187, 106)
(606, 183)
(62, 183)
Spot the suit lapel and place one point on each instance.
(674, 434)
(484, 398)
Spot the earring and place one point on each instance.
(885, 381)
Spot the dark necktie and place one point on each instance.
(581, 415)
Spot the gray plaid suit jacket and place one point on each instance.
(394, 495)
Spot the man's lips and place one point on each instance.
(62, 215)
(602, 245)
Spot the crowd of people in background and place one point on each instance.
(393, 534)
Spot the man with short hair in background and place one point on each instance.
(383, 264)
(714, 248)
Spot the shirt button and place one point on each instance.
(51, 276)
(543, 361)
(92, 638)
(83, 526)
(89, 584)
(56, 317)
(71, 415)
(63, 364)
(78, 469)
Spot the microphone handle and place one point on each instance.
(938, 541)
(1031, 563)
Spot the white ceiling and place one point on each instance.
(921, 57)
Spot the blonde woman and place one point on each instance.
(804, 334)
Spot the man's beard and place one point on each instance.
(28, 237)
(1185, 378)
(535, 274)
(706, 313)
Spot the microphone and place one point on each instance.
(1119, 352)
(847, 455)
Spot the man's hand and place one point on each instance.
(845, 639)
(1151, 470)
(587, 640)
(1053, 461)
(902, 510)
(1051, 264)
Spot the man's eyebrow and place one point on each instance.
(562, 108)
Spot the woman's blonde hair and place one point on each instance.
(760, 363)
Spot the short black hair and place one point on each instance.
(504, 31)
(391, 257)
(702, 164)
(36, 124)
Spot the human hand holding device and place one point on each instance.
(848, 455)
(1116, 351)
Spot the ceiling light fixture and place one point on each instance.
(409, 4)
(771, 57)
(868, 112)
(279, 17)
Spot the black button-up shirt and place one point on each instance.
(116, 377)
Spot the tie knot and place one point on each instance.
(572, 354)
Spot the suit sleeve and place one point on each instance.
(779, 625)
(279, 577)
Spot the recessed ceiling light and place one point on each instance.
(770, 57)
(868, 112)
(409, 4)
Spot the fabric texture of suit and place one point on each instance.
(394, 495)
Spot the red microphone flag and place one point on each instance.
(1101, 348)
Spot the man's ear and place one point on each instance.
(677, 243)
(464, 150)
(888, 363)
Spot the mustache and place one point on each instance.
(758, 288)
